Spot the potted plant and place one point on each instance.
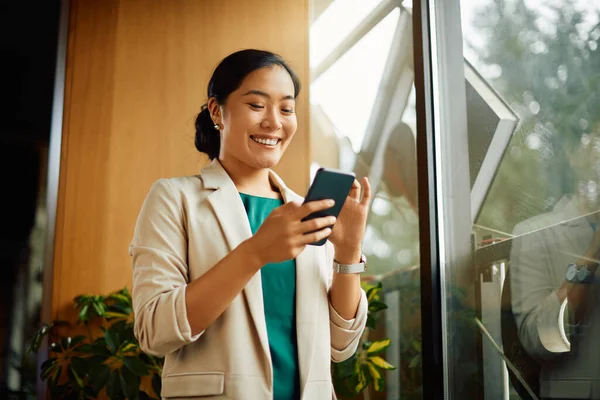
(366, 367)
(108, 360)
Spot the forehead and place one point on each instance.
(274, 80)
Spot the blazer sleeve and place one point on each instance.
(539, 314)
(345, 334)
(160, 273)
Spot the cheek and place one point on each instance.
(239, 124)
(290, 126)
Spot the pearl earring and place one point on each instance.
(217, 127)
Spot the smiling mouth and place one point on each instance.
(266, 142)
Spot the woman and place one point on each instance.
(224, 284)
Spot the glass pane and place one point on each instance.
(347, 90)
(532, 72)
(363, 120)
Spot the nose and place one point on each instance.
(271, 119)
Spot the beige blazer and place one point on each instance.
(186, 225)
(569, 355)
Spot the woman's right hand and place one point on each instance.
(283, 235)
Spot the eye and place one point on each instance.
(288, 110)
(256, 106)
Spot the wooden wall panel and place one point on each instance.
(137, 72)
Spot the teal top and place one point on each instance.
(279, 294)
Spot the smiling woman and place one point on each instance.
(224, 282)
(253, 84)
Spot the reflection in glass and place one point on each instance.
(363, 120)
(537, 246)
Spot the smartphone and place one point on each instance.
(329, 184)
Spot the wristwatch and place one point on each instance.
(579, 274)
(585, 275)
(351, 268)
(571, 275)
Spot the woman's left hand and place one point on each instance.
(349, 228)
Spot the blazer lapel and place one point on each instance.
(229, 209)
(308, 282)
(230, 212)
(307, 295)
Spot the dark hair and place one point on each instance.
(227, 78)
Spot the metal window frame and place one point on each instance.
(52, 183)
(444, 190)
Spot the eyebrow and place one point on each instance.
(263, 94)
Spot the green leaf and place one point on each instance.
(136, 366)
(99, 308)
(379, 384)
(56, 376)
(417, 345)
(381, 363)
(373, 371)
(99, 377)
(56, 347)
(362, 382)
(113, 314)
(73, 375)
(48, 367)
(415, 362)
(125, 292)
(83, 313)
(366, 286)
(77, 340)
(39, 337)
(373, 292)
(130, 384)
(156, 384)
(130, 347)
(65, 343)
(376, 306)
(120, 298)
(111, 340)
(96, 349)
(371, 322)
(113, 389)
(345, 369)
(378, 346)
(80, 365)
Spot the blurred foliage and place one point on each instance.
(366, 367)
(111, 363)
(544, 61)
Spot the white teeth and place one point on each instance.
(270, 142)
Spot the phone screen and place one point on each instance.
(329, 184)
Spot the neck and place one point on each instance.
(253, 181)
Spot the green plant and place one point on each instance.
(366, 366)
(84, 366)
(111, 361)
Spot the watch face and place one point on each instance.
(583, 273)
(571, 272)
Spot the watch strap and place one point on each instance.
(351, 268)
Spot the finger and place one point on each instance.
(314, 206)
(316, 224)
(366, 192)
(289, 206)
(316, 236)
(355, 190)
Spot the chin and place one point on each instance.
(265, 162)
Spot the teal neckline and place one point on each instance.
(259, 197)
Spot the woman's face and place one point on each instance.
(258, 120)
